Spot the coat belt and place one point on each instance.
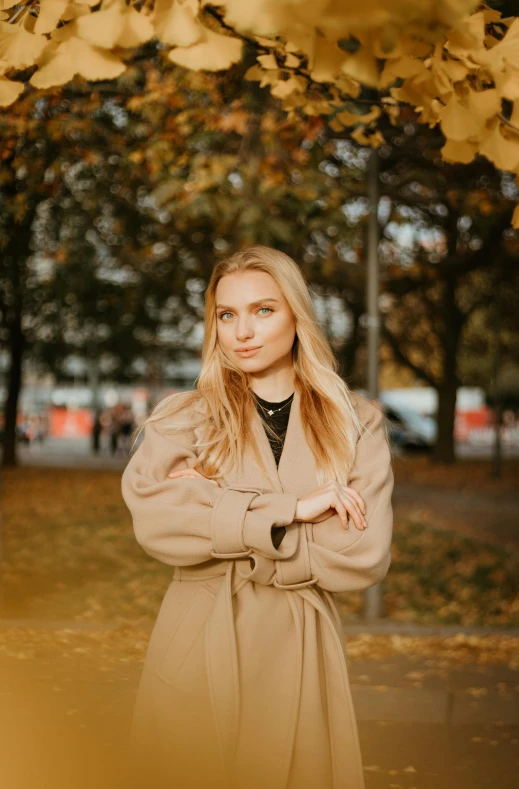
(223, 674)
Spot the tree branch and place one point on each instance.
(400, 356)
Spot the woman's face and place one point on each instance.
(256, 327)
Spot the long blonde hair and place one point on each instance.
(223, 401)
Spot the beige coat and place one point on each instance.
(245, 683)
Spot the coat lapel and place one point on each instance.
(296, 472)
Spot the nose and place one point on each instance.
(244, 328)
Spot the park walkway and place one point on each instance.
(424, 722)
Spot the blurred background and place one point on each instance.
(117, 198)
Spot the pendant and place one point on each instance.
(270, 413)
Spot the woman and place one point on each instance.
(245, 682)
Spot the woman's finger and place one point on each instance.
(353, 508)
(356, 495)
(339, 507)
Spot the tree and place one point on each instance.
(459, 220)
(63, 189)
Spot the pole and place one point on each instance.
(498, 409)
(373, 599)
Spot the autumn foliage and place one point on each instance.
(455, 62)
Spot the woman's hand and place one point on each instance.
(190, 473)
(319, 505)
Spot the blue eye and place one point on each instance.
(222, 315)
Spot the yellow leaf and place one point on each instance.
(456, 151)
(74, 10)
(18, 47)
(468, 34)
(301, 40)
(484, 104)
(515, 218)
(74, 56)
(284, 88)
(214, 52)
(328, 58)
(9, 91)
(176, 23)
(508, 48)
(362, 66)
(457, 121)
(503, 152)
(400, 67)
(264, 42)
(348, 118)
(295, 100)
(254, 73)
(360, 136)
(269, 78)
(507, 84)
(491, 15)
(335, 125)
(265, 19)
(409, 93)
(291, 61)
(453, 69)
(119, 26)
(376, 139)
(267, 61)
(393, 113)
(348, 86)
(51, 11)
(319, 107)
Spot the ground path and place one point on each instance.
(426, 719)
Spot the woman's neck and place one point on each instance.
(275, 389)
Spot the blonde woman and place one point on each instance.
(268, 489)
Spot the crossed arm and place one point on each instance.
(191, 520)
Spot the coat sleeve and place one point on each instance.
(188, 521)
(342, 560)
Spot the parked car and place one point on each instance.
(410, 430)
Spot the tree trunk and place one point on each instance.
(17, 342)
(444, 449)
(347, 354)
(15, 257)
(453, 323)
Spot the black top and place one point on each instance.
(279, 423)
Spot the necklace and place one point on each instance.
(275, 410)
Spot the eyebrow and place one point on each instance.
(252, 304)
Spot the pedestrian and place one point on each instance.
(96, 431)
(268, 488)
(115, 428)
(126, 426)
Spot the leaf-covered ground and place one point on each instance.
(69, 553)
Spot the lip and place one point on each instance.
(248, 351)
